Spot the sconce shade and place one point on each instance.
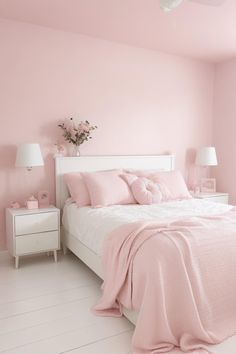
(29, 155)
(206, 156)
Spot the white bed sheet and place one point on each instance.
(91, 225)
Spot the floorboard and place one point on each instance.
(45, 309)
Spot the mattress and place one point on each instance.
(91, 225)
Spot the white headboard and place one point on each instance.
(96, 163)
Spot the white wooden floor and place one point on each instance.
(45, 309)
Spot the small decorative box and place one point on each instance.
(32, 203)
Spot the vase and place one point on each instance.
(75, 151)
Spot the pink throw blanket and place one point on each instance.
(180, 276)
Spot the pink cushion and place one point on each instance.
(108, 188)
(145, 191)
(77, 188)
(130, 178)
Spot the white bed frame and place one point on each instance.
(94, 163)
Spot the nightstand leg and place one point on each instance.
(17, 262)
(55, 255)
(64, 249)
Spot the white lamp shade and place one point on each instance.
(29, 155)
(168, 5)
(206, 156)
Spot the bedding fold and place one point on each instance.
(181, 277)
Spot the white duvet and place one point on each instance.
(91, 225)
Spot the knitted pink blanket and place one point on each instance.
(180, 276)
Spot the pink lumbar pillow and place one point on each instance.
(77, 188)
(145, 191)
(108, 188)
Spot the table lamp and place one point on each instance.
(29, 156)
(205, 157)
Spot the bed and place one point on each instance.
(65, 165)
(81, 241)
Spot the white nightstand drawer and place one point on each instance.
(37, 242)
(34, 223)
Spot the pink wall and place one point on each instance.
(225, 127)
(144, 102)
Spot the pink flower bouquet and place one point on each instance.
(76, 133)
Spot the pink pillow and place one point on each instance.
(141, 173)
(108, 188)
(129, 178)
(77, 188)
(174, 183)
(171, 183)
(145, 191)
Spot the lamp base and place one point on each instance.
(208, 185)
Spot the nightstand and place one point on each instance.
(32, 231)
(215, 197)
